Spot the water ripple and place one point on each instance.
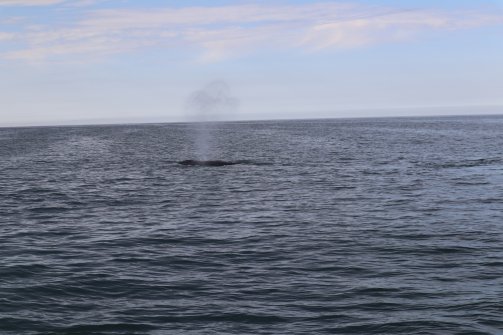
(388, 226)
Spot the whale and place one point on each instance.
(194, 162)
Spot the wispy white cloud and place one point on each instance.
(227, 31)
(30, 2)
(392, 27)
(6, 36)
(84, 3)
(38, 3)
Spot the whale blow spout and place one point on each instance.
(193, 162)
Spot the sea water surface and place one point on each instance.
(361, 226)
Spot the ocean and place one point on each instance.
(342, 226)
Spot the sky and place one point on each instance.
(116, 61)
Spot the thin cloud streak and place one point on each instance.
(6, 36)
(229, 31)
(30, 2)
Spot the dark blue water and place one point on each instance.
(370, 226)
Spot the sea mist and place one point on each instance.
(206, 106)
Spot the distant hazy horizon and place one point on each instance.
(450, 111)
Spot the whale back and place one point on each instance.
(193, 162)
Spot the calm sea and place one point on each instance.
(368, 226)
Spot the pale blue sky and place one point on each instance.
(88, 61)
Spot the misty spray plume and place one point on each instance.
(206, 106)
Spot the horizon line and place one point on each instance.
(90, 123)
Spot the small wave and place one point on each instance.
(105, 327)
(225, 317)
(50, 209)
(465, 163)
